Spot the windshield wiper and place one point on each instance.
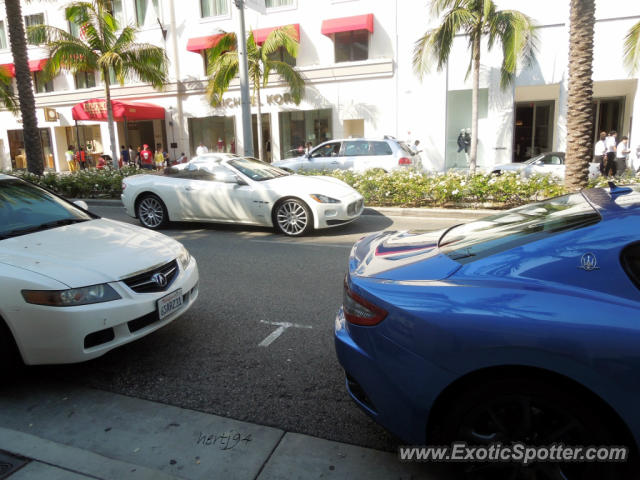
(447, 231)
(44, 226)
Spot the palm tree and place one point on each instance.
(632, 48)
(7, 97)
(100, 47)
(580, 95)
(31, 134)
(223, 67)
(477, 19)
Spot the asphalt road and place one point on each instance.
(211, 359)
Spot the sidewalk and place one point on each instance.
(459, 213)
(65, 432)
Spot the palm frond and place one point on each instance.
(72, 55)
(7, 97)
(148, 62)
(291, 77)
(518, 36)
(632, 48)
(435, 45)
(282, 37)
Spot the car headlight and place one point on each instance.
(72, 297)
(184, 257)
(323, 198)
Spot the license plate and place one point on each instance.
(170, 303)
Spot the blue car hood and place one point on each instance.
(401, 256)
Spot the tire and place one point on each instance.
(292, 217)
(10, 359)
(533, 412)
(152, 212)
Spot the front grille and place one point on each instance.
(354, 207)
(145, 282)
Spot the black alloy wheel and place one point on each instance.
(534, 413)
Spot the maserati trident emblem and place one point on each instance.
(588, 262)
(159, 279)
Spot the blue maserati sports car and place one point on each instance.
(521, 327)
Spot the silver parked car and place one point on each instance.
(550, 163)
(356, 154)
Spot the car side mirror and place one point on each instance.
(229, 178)
(539, 162)
(82, 204)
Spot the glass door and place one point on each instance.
(533, 133)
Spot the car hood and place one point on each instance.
(89, 253)
(305, 185)
(401, 256)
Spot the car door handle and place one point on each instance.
(188, 189)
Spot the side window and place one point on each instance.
(328, 150)
(381, 148)
(630, 259)
(356, 148)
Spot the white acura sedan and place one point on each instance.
(74, 286)
(228, 188)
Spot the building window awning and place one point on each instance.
(96, 110)
(261, 34)
(34, 66)
(199, 44)
(348, 24)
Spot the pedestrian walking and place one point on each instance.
(81, 158)
(146, 158)
(599, 152)
(610, 146)
(69, 156)
(622, 155)
(132, 155)
(158, 157)
(202, 149)
(124, 155)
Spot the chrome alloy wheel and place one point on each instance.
(292, 217)
(151, 212)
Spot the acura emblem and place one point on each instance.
(588, 262)
(159, 279)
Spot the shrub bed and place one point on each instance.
(398, 189)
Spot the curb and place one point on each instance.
(379, 211)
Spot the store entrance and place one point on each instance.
(266, 136)
(533, 129)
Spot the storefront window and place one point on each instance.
(213, 8)
(89, 138)
(300, 127)
(352, 46)
(32, 21)
(147, 12)
(17, 152)
(85, 79)
(607, 116)
(533, 132)
(39, 85)
(459, 126)
(216, 133)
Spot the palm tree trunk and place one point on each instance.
(112, 134)
(31, 134)
(580, 95)
(260, 146)
(473, 154)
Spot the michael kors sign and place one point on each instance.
(276, 99)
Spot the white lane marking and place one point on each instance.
(282, 326)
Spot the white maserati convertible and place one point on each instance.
(228, 188)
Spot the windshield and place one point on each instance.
(257, 170)
(497, 233)
(26, 208)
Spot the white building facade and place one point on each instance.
(356, 58)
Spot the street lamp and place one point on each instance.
(247, 133)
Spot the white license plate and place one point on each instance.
(170, 303)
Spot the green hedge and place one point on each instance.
(398, 189)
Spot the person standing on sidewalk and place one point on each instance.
(599, 152)
(81, 158)
(622, 154)
(610, 146)
(146, 158)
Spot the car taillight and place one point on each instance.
(359, 311)
(404, 161)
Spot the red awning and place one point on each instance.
(261, 34)
(348, 24)
(37, 65)
(96, 109)
(9, 68)
(34, 66)
(199, 44)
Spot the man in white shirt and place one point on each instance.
(622, 153)
(599, 151)
(610, 147)
(202, 149)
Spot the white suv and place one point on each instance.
(356, 154)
